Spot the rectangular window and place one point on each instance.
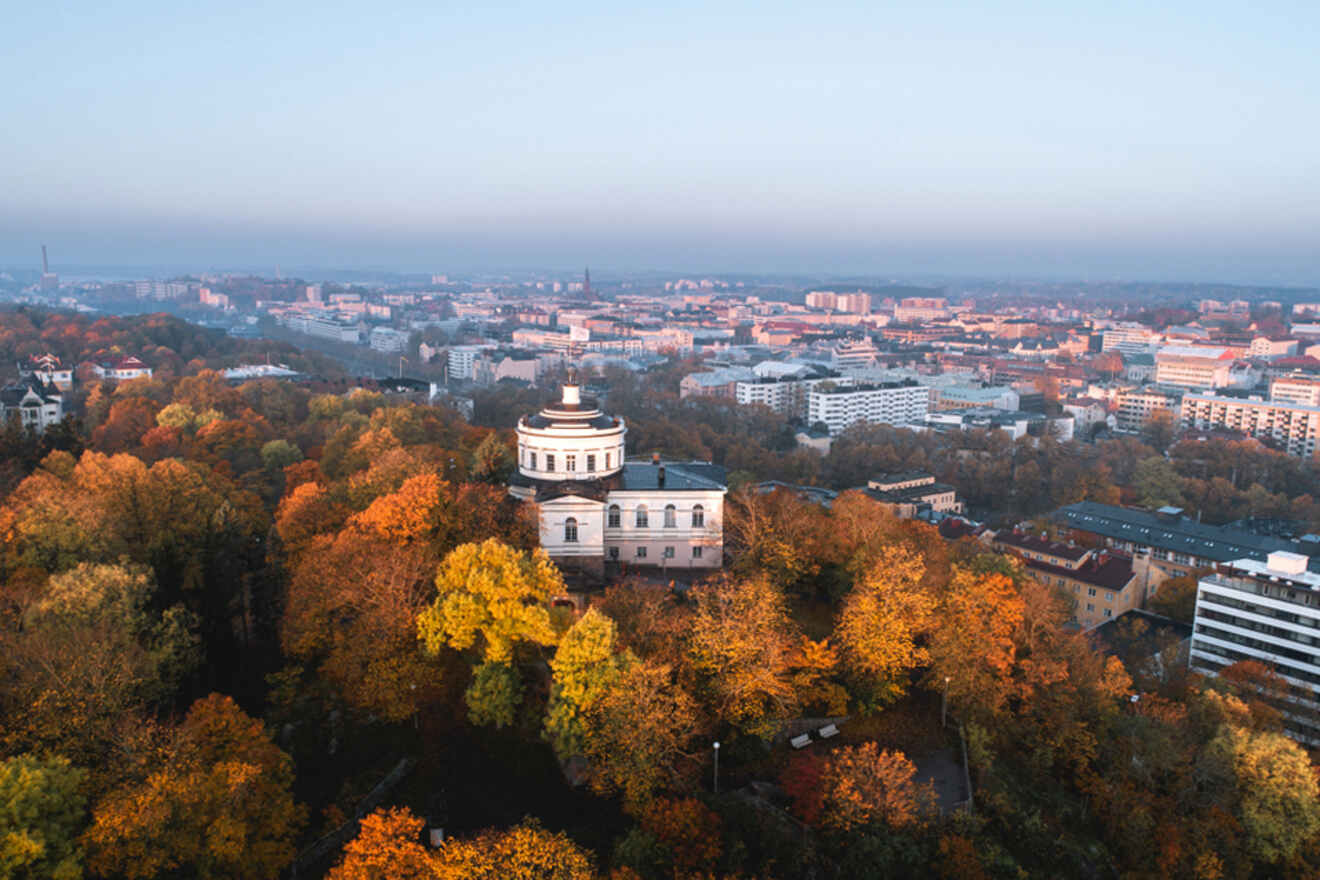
(696, 552)
(1090, 591)
(1090, 607)
(607, 461)
(591, 464)
(570, 462)
(532, 460)
(1109, 612)
(614, 553)
(549, 462)
(641, 552)
(1109, 597)
(669, 553)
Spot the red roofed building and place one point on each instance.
(1102, 583)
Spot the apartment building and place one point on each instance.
(1135, 407)
(1175, 545)
(893, 403)
(787, 395)
(918, 309)
(1267, 611)
(1102, 584)
(1299, 388)
(1194, 366)
(854, 353)
(1125, 338)
(1291, 427)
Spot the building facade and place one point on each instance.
(1102, 584)
(893, 403)
(1291, 427)
(594, 507)
(1268, 612)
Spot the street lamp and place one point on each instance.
(717, 767)
(944, 703)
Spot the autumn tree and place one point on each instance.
(739, 653)
(973, 648)
(41, 811)
(881, 624)
(491, 461)
(586, 665)
(637, 733)
(220, 804)
(91, 650)
(387, 847)
(860, 785)
(525, 852)
(491, 600)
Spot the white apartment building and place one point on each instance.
(787, 395)
(1302, 389)
(1135, 407)
(893, 403)
(462, 357)
(387, 339)
(1291, 427)
(1269, 612)
(1272, 348)
(919, 309)
(1125, 338)
(1194, 366)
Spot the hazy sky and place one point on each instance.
(1083, 139)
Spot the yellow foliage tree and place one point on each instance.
(882, 621)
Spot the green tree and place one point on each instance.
(494, 694)
(41, 811)
(491, 461)
(1157, 483)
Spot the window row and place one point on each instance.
(642, 517)
(570, 461)
(613, 553)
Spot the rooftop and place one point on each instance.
(1176, 533)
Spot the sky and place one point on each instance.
(1093, 139)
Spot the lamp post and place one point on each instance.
(717, 767)
(944, 703)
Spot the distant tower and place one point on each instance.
(49, 280)
(586, 283)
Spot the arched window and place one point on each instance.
(698, 516)
(641, 516)
(570, 530)
(615, 518)
(671, 514)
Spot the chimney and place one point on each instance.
(660, 476)
(655, 458)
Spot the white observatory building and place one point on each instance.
(595, 507)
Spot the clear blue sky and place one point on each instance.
(1083, 139)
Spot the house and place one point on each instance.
(35, 404)
(121, 369)
(49, 370)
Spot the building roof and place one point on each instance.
(1173, 532)
(1106, 570)
(694, 476)
(1036, 544)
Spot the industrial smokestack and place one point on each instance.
(45, 266)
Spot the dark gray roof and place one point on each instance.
(681, 476)
(1179, 534)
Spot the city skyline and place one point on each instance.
(1110, 142)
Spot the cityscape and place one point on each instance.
(700, 443)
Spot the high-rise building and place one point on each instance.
(1268, 612)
